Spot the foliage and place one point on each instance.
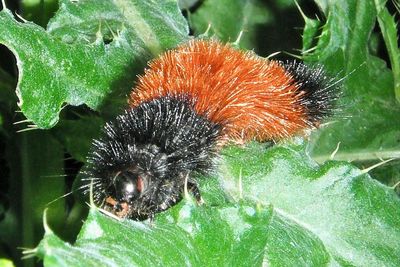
(264, 205)
(276, 207)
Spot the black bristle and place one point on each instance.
(319, 91)
(162, 140)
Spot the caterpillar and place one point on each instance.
(189, 102)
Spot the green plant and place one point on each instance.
(271, 205)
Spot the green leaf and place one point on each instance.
(227, 18)
(77, 135)
(367, 123)
(355, 217)
(6, 93)
(38, 11)
(150, 25)
(310, 31)
(390, 35)
(89, 50)
(31, 183)
(7, 102)
(276, 206)
(6, 263)
(43, 183)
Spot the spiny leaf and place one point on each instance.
(76, 61)
(276, 206)
(227, 18)
(389, 30)
(367, 121)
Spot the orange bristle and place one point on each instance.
(250, 96)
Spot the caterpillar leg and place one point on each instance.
(193, 188)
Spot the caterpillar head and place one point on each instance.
(139, 166)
